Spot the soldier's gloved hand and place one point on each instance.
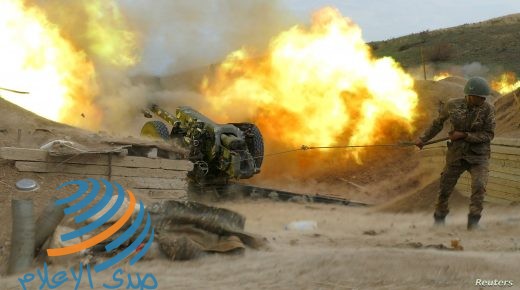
(457, 135)
(419, 143)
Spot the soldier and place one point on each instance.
(472, 129)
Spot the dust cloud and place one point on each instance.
(137, 47)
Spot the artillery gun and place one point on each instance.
(219, 152)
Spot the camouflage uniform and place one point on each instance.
(471, 153)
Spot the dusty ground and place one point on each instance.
(352, 248)
(389, 246)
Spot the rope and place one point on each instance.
(396, 145)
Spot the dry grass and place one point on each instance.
(494, 43)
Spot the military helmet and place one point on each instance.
(477, 86)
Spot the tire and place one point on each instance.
(257, 144)
(254, 141)
(155, 129)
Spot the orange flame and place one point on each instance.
(506, 83)
(47, 58)
(37, 59)
(319, 87)
(441, 76)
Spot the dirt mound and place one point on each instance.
(507, 110)
(422, 200)
(34, 130)
(432, 95)
(22, 128)
(455, 79)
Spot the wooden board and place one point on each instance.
(165, 194)
(24, 154)
(515, 142)
(496, 187)
(504, 175)
(157, 183)
(492, 186)
(505, 163)
(30, 166)
(138, 183)
(505, 150)
(496, 177)
(493, 166)
(505, 156)
(490, 195)
(142, 142)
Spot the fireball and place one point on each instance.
(318, 86)
(441, 76)
(49, 51)
(37, 59)
(506, 83)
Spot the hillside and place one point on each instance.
(494, 43)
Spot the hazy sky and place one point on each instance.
(384, 19)
(181, 34)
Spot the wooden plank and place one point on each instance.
(165, 194)
(502, 153)
(501, 145)
(171, 164)
(505, 163)
(497, 200)
(146, 172)
(515, 142)
(30, 166)
(505, 150)
(505, 169)
(465, 190)
(494, 179)
(501, 156)
(138, 183)
(142, 142)
(24, 154)
(515, 179)
(495, 197)
(491, 186)
(158, 183)
(159, 163)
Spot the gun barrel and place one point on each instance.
(188, 114)
(163, 114)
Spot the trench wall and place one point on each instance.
(504, 170)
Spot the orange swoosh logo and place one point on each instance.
(99, 237)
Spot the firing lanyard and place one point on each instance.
(400, 144)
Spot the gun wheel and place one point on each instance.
(258, 146)
(155, 129)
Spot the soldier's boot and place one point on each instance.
(439, 220)
(473, 222)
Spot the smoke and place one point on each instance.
(179, 35)
(140, 48)
(466, 70)
(474, 69)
